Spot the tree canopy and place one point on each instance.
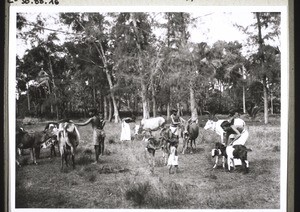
(115, 63)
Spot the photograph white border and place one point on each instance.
(284, 82)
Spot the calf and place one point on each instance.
(153, 144)
(32, 141)
(231, 153)
(151, 124)
(68, 140)
(189, 134)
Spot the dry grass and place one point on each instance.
(122, 178)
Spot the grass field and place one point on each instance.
(123, 179)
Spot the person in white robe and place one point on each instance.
(125, 130)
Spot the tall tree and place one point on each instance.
(93, 33)
(267, 25)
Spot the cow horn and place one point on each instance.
(207, 112)
(210, 116)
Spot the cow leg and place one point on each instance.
(32, 155)
(63, 157)
(73, 160)
(37, 151)
(228, 163)
(246, 165)
(165, 155)
(232, 160)
(66, 154)
(223, 162)
(73, 156)
(153, 161)
(102, 147)
(216, 162)
(184, 146)
(191, 146)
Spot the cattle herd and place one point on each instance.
(66, 136)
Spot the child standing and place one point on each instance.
(173, 157)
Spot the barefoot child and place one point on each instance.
(173, 157)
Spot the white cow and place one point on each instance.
(151, 124)
(216, 126)
(68, 140)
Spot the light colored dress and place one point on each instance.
(125, 132)
(173, 157)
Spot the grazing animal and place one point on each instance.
(149, 125)
(68, 140)
(231, 153)
(153, 144)
(32, 141)
(189, 134)
(216, 126)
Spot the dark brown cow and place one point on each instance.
(189, 134)
(32, 141)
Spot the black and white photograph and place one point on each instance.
(148, 108)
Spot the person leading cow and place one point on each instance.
(98, 124)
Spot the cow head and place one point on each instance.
(138, 129)
(210, 124)
(215, 152)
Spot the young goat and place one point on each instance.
(231, 153)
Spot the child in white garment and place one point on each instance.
(173, 157)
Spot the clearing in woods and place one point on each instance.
(123, 179)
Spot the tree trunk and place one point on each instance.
(153, 97)
(272, 105)
(146, 114)
(140, 65)
(100, 105)
(168, 111)
(244, 100)
(54, 86)
(28, 101)
(194, 113)
(265, 100)
(261, 55)
(94, 93)
(105, 107)
(109, 79)
(109, 109)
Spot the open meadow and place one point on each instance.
(123, 179)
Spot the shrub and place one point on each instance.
(92, 177)
(138, 192)
(84, 160)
